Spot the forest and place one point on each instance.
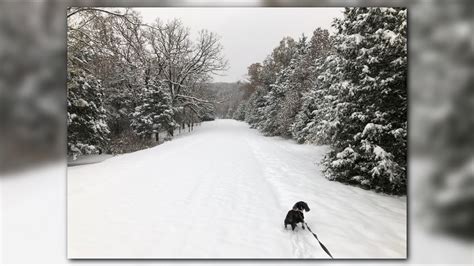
(128, 82)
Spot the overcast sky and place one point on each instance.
(248, 35)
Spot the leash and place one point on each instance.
(321, 244)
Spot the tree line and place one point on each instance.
(129, 81)
(347, 90)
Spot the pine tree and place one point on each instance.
(86, 116)
(277, 70)
(319, 61)
(239, 113)
(155, 114)
(273, 104)
(255, 111)
(370, 124)
(301, 128)
(296, 81)
(324, 119)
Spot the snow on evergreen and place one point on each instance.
(351, 95)
(344, 94)
(347, 90)
(152, 79)
(155, 114)
(87, 129)
(372, 108)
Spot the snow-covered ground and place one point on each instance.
(223, 192)
(88, 159)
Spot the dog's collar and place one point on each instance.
(298, 210)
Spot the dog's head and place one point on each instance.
(300, 206)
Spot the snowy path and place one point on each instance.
(223, 192)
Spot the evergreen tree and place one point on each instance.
(294, 83)
(275, 73)
(239, 113)
(86, 116)
(155, 114)
(273, 104)
(348, 91)
(369, 127)
(255, 110)
(315, 99)
(301, 128)
(317, 120)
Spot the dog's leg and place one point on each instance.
(293, 227)
(302, 225)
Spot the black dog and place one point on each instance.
(300, 206)
(295, 215)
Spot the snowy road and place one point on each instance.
(223, 191)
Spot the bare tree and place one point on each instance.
(129, 56)
(183, 64)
